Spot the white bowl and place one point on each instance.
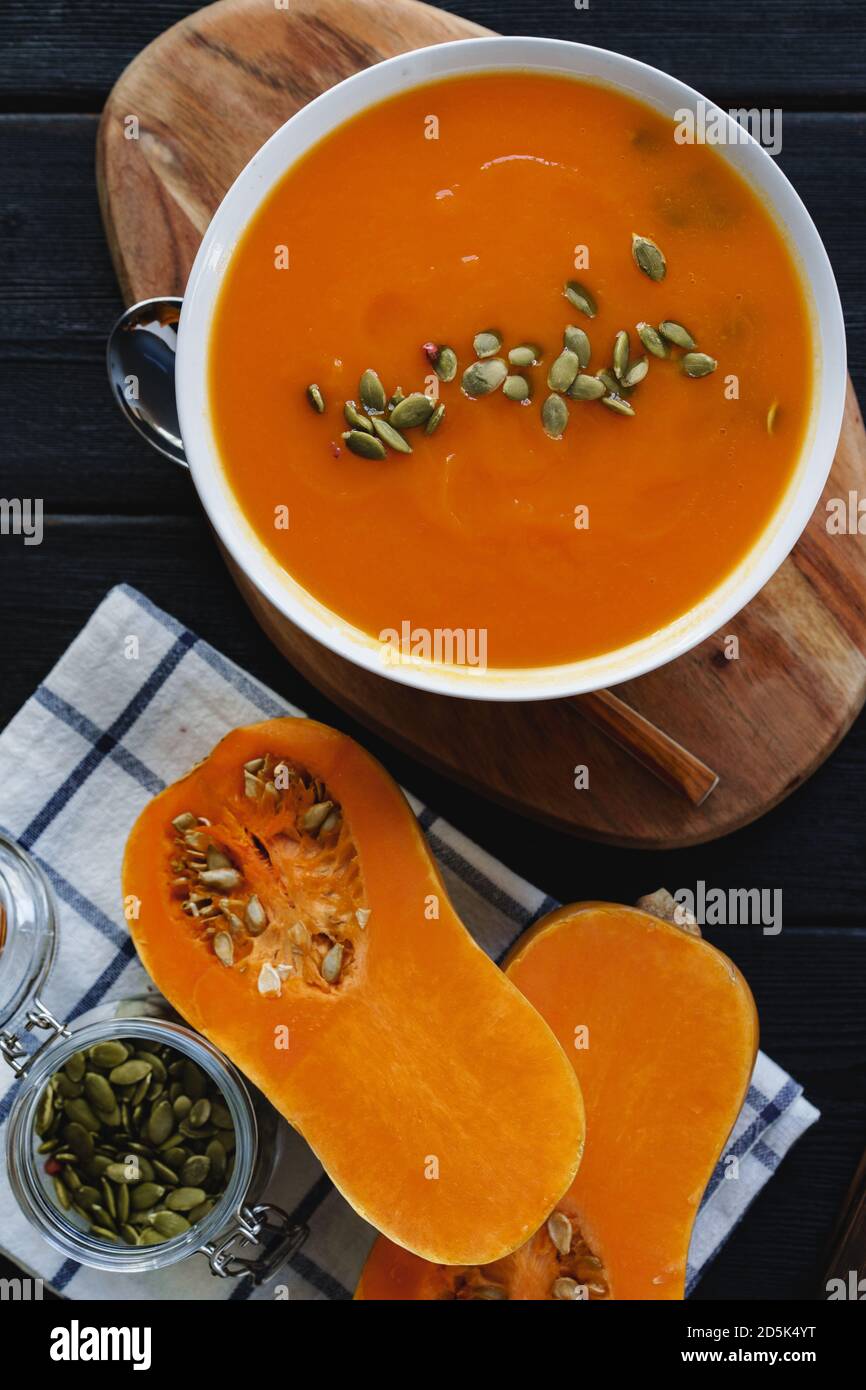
(292, 141)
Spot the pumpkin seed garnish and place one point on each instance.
(445, 365)
(586, 388)
(366, 446)
(636, 373)
(355, 420)
(554, 416)
(580, 297)
(609, 381)
(481, 378)
(371, 392)
(578, 341)
(390, 436)
(652, 340)
(525, 355)
(435, 419)
(618, 404)
(648, 257)
(516, 388)
(416, 409)
(487, 343)
(621, 349)
(563, 370)
(316, 399)
(698, 364)
(676, 334)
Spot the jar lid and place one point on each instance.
(28, 928)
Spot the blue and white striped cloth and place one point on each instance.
(134, 702)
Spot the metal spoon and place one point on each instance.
(140, 360)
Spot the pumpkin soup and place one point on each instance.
(418, 332)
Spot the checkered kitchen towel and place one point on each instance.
(105, 732)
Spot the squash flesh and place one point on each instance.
(672, 1042)
(423, 1054)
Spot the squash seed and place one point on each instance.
(580, 297)
(103, 1232)
(636, 373)
(196, 1170)
(62, 1193)
(362, 916)
(435, 419)
(563, 370)
(170, 1223)
(185, 821)
(81, 1112)
(698, 364)
(676, 334)
(315, 816)
(366, 446)
(98, 1091)
(586, 388)
(608, 380)
(648, 257)
(416, 409)
(315, 397)
(269, 983)
(332, 964)
(525, 355)
(578, 341)
(255, 916)
(618, 404)
(184, 1198)
(652, 339)
(445, 363)
(129, 1072)
(222, 879)
(481, 378)
(371, 392)
(488, 1292)
(44, 1112)
(554, 416)
(621, 349)
(75, 1066)
(130, 1234)
(516, 388)
(487, 343)
(356, 421)
(161, 1121)
(151, 1237)
(108, 1054)
(393, 438)
(566, 1289)
(560, 1230)
(146, 1195)
(224, 948)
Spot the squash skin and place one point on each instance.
(640, 1185)
(427, 1050)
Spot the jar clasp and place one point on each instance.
(266, 1226)
(11, 1050)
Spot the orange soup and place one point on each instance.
(467, 207)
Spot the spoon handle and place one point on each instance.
(652, 747)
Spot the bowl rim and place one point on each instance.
(420, 67)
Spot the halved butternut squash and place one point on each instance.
(662, 1033)
(283, 898)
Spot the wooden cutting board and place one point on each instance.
(204, 96)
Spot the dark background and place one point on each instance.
(117, 512)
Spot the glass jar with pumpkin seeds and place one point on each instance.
(133, 1143)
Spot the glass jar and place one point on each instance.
(240, 1236)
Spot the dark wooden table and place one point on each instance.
(116, 512)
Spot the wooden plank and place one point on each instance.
(68, 54)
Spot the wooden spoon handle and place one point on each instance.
(848, 1244)
(649, 745)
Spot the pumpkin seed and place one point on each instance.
(121, 1202)
(197, 1213)
(636, 373)
(75, 1066)
(62, 1193)
(698, 364)
(108, 1201)
(224, 948)
(554, 417)
(184, 1198)
(586, 388)
(164, 1173)
(161, 1122)
(81, 1112)
(217, 1157)
(362, 916)
(194, 1083)
(44, 1112)
(393, 438)
(315, 397)
(170, 1223)
(98, 1091)
(445, 364)
(255, 916)
(607, 379)
(563, 370)
(332, 963)
(580, 297)
(371, 392)
(566, 1289)
(149, 1236)
(146, 1195)
(435, 419)
(269, 984)
(525, 355)
(87, 1196)
(103, 1232)
(366, 446)
(200, 1113)
(123, 1172)
(560, 1230)
(175, 1157)
(488, 1292)
(102, 1216)
(481, 378)
(578, 342)
(618, 404)
(652, 340)
(128, 1073)
(516, 388)
(223, 879)
(157, 1066)
(315, 816)
(487, 343)
(620, 354)
(196, 1170)
(676, 334)
(108, 1054)
(80, 1140)
(356, 421)
(415, 409)
(648, 257)
(130, 1234)
(181, 1107)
